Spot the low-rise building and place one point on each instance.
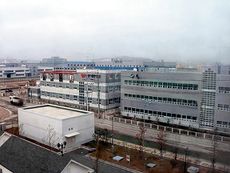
(52, 124)
(89, 89)
(14, 72)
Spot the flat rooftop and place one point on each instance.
(56, 112)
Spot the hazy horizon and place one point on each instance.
(182, 31)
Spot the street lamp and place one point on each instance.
(61, 147)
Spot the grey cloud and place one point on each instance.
(173, 30)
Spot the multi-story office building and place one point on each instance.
(74, 65)
(14, 72)
(166, 97)
(216, 97)
(194, 99)
(120, 63)
(82, 88)
(130, 63)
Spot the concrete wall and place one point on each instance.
(82, 124)
(41, 128)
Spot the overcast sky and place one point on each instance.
(180, 30)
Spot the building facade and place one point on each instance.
(74, 65)
(191, 99)
(14, 72)
(82, 88)
(131, 63)
(166, 97)
(34, 92)
(52, 124)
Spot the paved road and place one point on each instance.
(200, 148)
(198, 144)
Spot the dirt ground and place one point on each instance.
(137, 163)
(4, 113)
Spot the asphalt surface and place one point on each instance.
(197, 150)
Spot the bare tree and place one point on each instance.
(105, 135)
(175, 147)
(51, 137)
(175, 151)
(140, 136)
(98, 137)
(21, 129)
(185, 158)
(161, 141)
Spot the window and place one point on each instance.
(60, 77)
(75, 97)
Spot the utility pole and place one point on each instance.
(112, 136)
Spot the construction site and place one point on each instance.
(16, 88)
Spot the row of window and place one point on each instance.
(58, 95)
(160, 114)
(81, 86)
(223, 107)
(75, 97)
(162, 84)
(80, 65)
(163, 99)
(61, 85)
(12, 71)
(20, 74)
(224, 90)
(223, 124)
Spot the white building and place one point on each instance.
(90, 89)
(52, 124)
(14, 72)
(4, 170)
(73, 167)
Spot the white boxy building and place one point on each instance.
(52, 124)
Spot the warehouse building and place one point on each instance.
(52, 124)
(14, 72)
(198, 99)
(82, 88)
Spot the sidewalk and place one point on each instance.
(170, 155)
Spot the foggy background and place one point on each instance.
(173, 30)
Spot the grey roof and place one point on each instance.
(20, 156)
(1, 132)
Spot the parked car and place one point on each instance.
(8, 90)
(14, 100)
